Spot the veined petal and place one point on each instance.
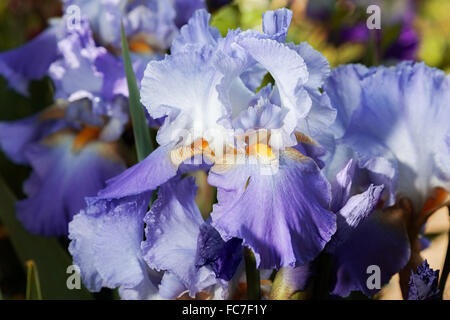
(108, 251)
(343, 87)
(273, 212)
(276, 23)
(403, 111)
(264, 115)
(183, 87)
(172, 229)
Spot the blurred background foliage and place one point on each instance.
(411, 29)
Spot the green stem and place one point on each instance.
(33, 290)
(253, 279)
(446, 268)
(373, 56)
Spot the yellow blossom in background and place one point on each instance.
(433, 26)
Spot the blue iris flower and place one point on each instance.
(272, 196)
(73, 146)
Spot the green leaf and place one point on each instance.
(48, 255)
(33, 285)
(226, 18)
(144, 145)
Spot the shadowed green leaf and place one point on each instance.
(33, 291)
(141, 132)
(48, 255)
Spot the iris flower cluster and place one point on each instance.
(308, 162)
(73, 146)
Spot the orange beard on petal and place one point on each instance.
(260, 149)
(140, 47)
(86, 135)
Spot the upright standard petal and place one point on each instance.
(183, 87)
(276, 23)
(75, 70)
(402, 116)
(290, 73)
(196, 32)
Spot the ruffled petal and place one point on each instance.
(118, 236)
(318, 66)
(81, 234)
(75, 71)
(290, 72)
(320, 117)
(172, 229)
(402, 115)
(264, 115)
(343, 87)
(196, 32)
(183, 87)
(108, 251)
(342, 185)
(276, 23)
(153, 21)
(280, 212)
(171, 287)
